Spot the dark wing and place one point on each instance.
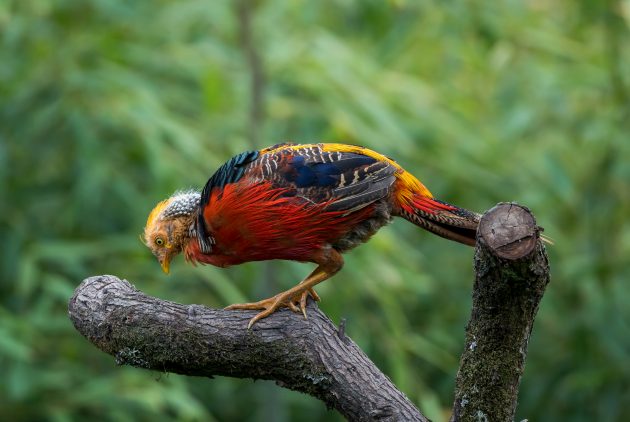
(349, 181)
(230, 172)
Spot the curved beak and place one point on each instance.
(165, 263)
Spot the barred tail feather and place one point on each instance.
(442, 219)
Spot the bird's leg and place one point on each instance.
(317, 272)
(330, 262)
(311, 291)
(291, 304)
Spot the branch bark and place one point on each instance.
(313, 356)
(512, 272)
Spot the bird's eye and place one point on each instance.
(159, 241)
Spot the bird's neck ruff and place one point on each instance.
(176, 216)
(182, 204)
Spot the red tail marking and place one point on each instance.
(430, 205)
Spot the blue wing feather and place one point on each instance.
(314, 174)
(309, 173)
(350, 180)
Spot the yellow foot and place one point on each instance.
(296, 303)
(313, 294)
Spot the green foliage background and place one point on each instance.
(107, 106)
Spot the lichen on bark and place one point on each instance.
(506, 296)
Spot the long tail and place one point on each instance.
(443, 219)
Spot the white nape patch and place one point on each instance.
(182, 203)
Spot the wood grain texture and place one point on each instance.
(310, 356)
(509, 230)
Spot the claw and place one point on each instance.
(272, 304)
(303, 302)
(314, 294)
(297, 295)
(292, 306)
(261, 315)
(262, 304)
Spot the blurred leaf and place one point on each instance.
(108, 106)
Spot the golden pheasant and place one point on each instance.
(307, 203)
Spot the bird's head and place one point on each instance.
(170, 225)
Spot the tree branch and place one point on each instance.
(313, 356)
(310, 356)
(512, 272)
